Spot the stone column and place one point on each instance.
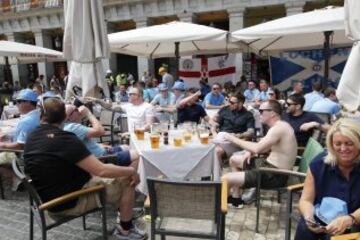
(236, 22)
(143, 63)
(14, 68)
(43, 39)
(293, 8)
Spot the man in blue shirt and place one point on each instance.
(264, 91)
(164, 103)
(328, 104)
(121, 95)
(30, 118)
(252, 92)
(214, 99)
(86, 135)
(314, 96)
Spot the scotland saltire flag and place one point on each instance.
(306, 66)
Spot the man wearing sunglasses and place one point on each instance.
(214, 99)
(279, 142)
(30, 118)
(234, 119)
(301, 121)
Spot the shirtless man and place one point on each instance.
(280, 141)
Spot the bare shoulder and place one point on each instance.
(282, 127)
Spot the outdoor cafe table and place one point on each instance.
(9, 112)
(191, 160)
(8, 127)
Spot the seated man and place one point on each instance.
(251, 93)
(59, 163)
(26, 102)
(234, 119)
(86, 135)
(164, 103)
(301, 121)
(189, 110)
(137, 111)
(280, 141)
(328, 104)
(214, 99)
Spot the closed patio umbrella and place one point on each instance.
(86, 44)
(348, 91)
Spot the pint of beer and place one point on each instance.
(204, 138)
(155, 141)
(139, 130)
(177, 141)
(187, 137)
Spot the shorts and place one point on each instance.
(229, 148)
(123, 157)
(114, 188)
(268, 180)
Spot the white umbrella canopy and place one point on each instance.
(296, 32)
(86, 43)
(348, 91)
(159, 40)
(21, 53)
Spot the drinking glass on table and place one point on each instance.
(139, 129)
(155, 140)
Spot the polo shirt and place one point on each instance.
(329, 182)
(296, 121)
(264, 95)
(211, 99)
(237, 121)
(250, 94)
(325, 105)
(26, 125)
(311, 98)
(164, 101)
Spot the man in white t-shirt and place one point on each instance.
(137, 111)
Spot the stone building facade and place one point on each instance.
(41, 22)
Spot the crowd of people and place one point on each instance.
(288, 120)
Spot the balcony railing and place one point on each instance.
(11, 6)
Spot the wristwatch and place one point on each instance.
(353, 219)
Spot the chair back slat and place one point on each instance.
(195, 200)
(323, 116)
(312, 149)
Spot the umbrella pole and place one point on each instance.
(327, 35)
(7, 71)
(177, 57)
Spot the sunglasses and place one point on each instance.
(264, 109)
(289, 104)
(20, 101)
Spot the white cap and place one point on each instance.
(108, 71)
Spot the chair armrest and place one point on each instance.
(112, 158)
(147, 202)
(295, 187)
(70, 196)
(224, 195)
(11, 150)
(350, 236)
(281, 171)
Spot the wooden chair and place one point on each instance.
(312, 149)
(187, 209)
(349, 236)
(39, 210)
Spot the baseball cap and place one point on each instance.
(162, 87)
(162, 69)
(179, 86)
(27, 95)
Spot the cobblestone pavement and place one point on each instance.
(240, 223)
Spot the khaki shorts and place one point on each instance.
(229, 148)
(114, 188)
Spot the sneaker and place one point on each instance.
(133, 234)
(235, 202)
(137, 213)
(250, 196)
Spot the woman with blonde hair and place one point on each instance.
(330, 202)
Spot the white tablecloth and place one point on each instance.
(8, 128)
(9, 111)
(192, 160)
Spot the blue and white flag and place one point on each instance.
(306, 66)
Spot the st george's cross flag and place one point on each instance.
(306, 66)
(216, 69)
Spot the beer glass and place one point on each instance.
(178, 139)
(155, 141)
(139, 129)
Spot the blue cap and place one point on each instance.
(49, 94)
(329, 209)
(179, 86)
(162, 87)
(27, 95)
